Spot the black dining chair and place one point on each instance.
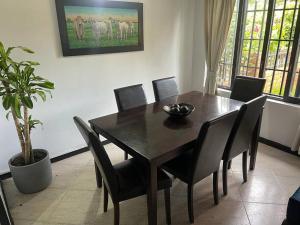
(164, 88)
(205, 157)
(130, 97)
(247, 88)
(240, 138)
(125, 180)
(5, 215)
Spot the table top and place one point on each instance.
(149, 133)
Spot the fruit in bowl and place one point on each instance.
(179, 110)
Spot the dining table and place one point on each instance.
(148, 134)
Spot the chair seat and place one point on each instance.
(132, 177)
(179, 166)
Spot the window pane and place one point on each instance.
(249, 25)
(259, 25)
(251, 4)
(276, 24)
(272, 54)
(283, 55)
(290, 4)
(254, 53)
(268, 76)
(288, 24)
(254, 31)
(280, 46)
(279, 4)
(276, 84)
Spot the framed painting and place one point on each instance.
(5, 216)
(97, 26)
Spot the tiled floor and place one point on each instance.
(74, 199)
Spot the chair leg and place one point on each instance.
(168, 205)
(105, 198)
(229, 164)
(245, 157)
(224, 176)
(216, 187)
(98, 176)
(125, 156)
(190, 203)
(116, 213)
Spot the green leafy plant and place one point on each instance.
(19, 88)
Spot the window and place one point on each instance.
(264, 42)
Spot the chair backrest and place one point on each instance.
(209, 148)
(247, 88)
(164, 88)
(100, 156)
(241, 135)
(130, 97)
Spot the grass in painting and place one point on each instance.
(89, 41)
(94, 27)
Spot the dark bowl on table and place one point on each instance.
(180, 110)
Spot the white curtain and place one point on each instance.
(218, 14)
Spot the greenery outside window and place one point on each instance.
(263, 41)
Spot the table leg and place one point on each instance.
(254, 143)
(152, 195)
(98, 176)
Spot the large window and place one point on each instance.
(264, 42)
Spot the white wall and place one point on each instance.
(199, 63)
(280, 122)
(84, 84)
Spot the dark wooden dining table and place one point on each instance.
(148, 134)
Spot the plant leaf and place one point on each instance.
(26, 100)
(8, 51)
(42, 95)
(7, 115)
(26, 49)
(2, 50)
(6, 102)
(17, 106)
(46, 84)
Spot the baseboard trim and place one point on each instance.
(278, 146)
(58, 158)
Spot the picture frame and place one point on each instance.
(5, 216)
(99, 27)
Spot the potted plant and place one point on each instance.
(19, 88)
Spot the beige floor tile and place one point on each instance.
(265, 214)
(205, 210)
(39, 207)
(263, 189)
(288, 184)
(77, 207)
(30, 222)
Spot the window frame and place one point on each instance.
(295, 50)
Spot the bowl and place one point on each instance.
(180, 110)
